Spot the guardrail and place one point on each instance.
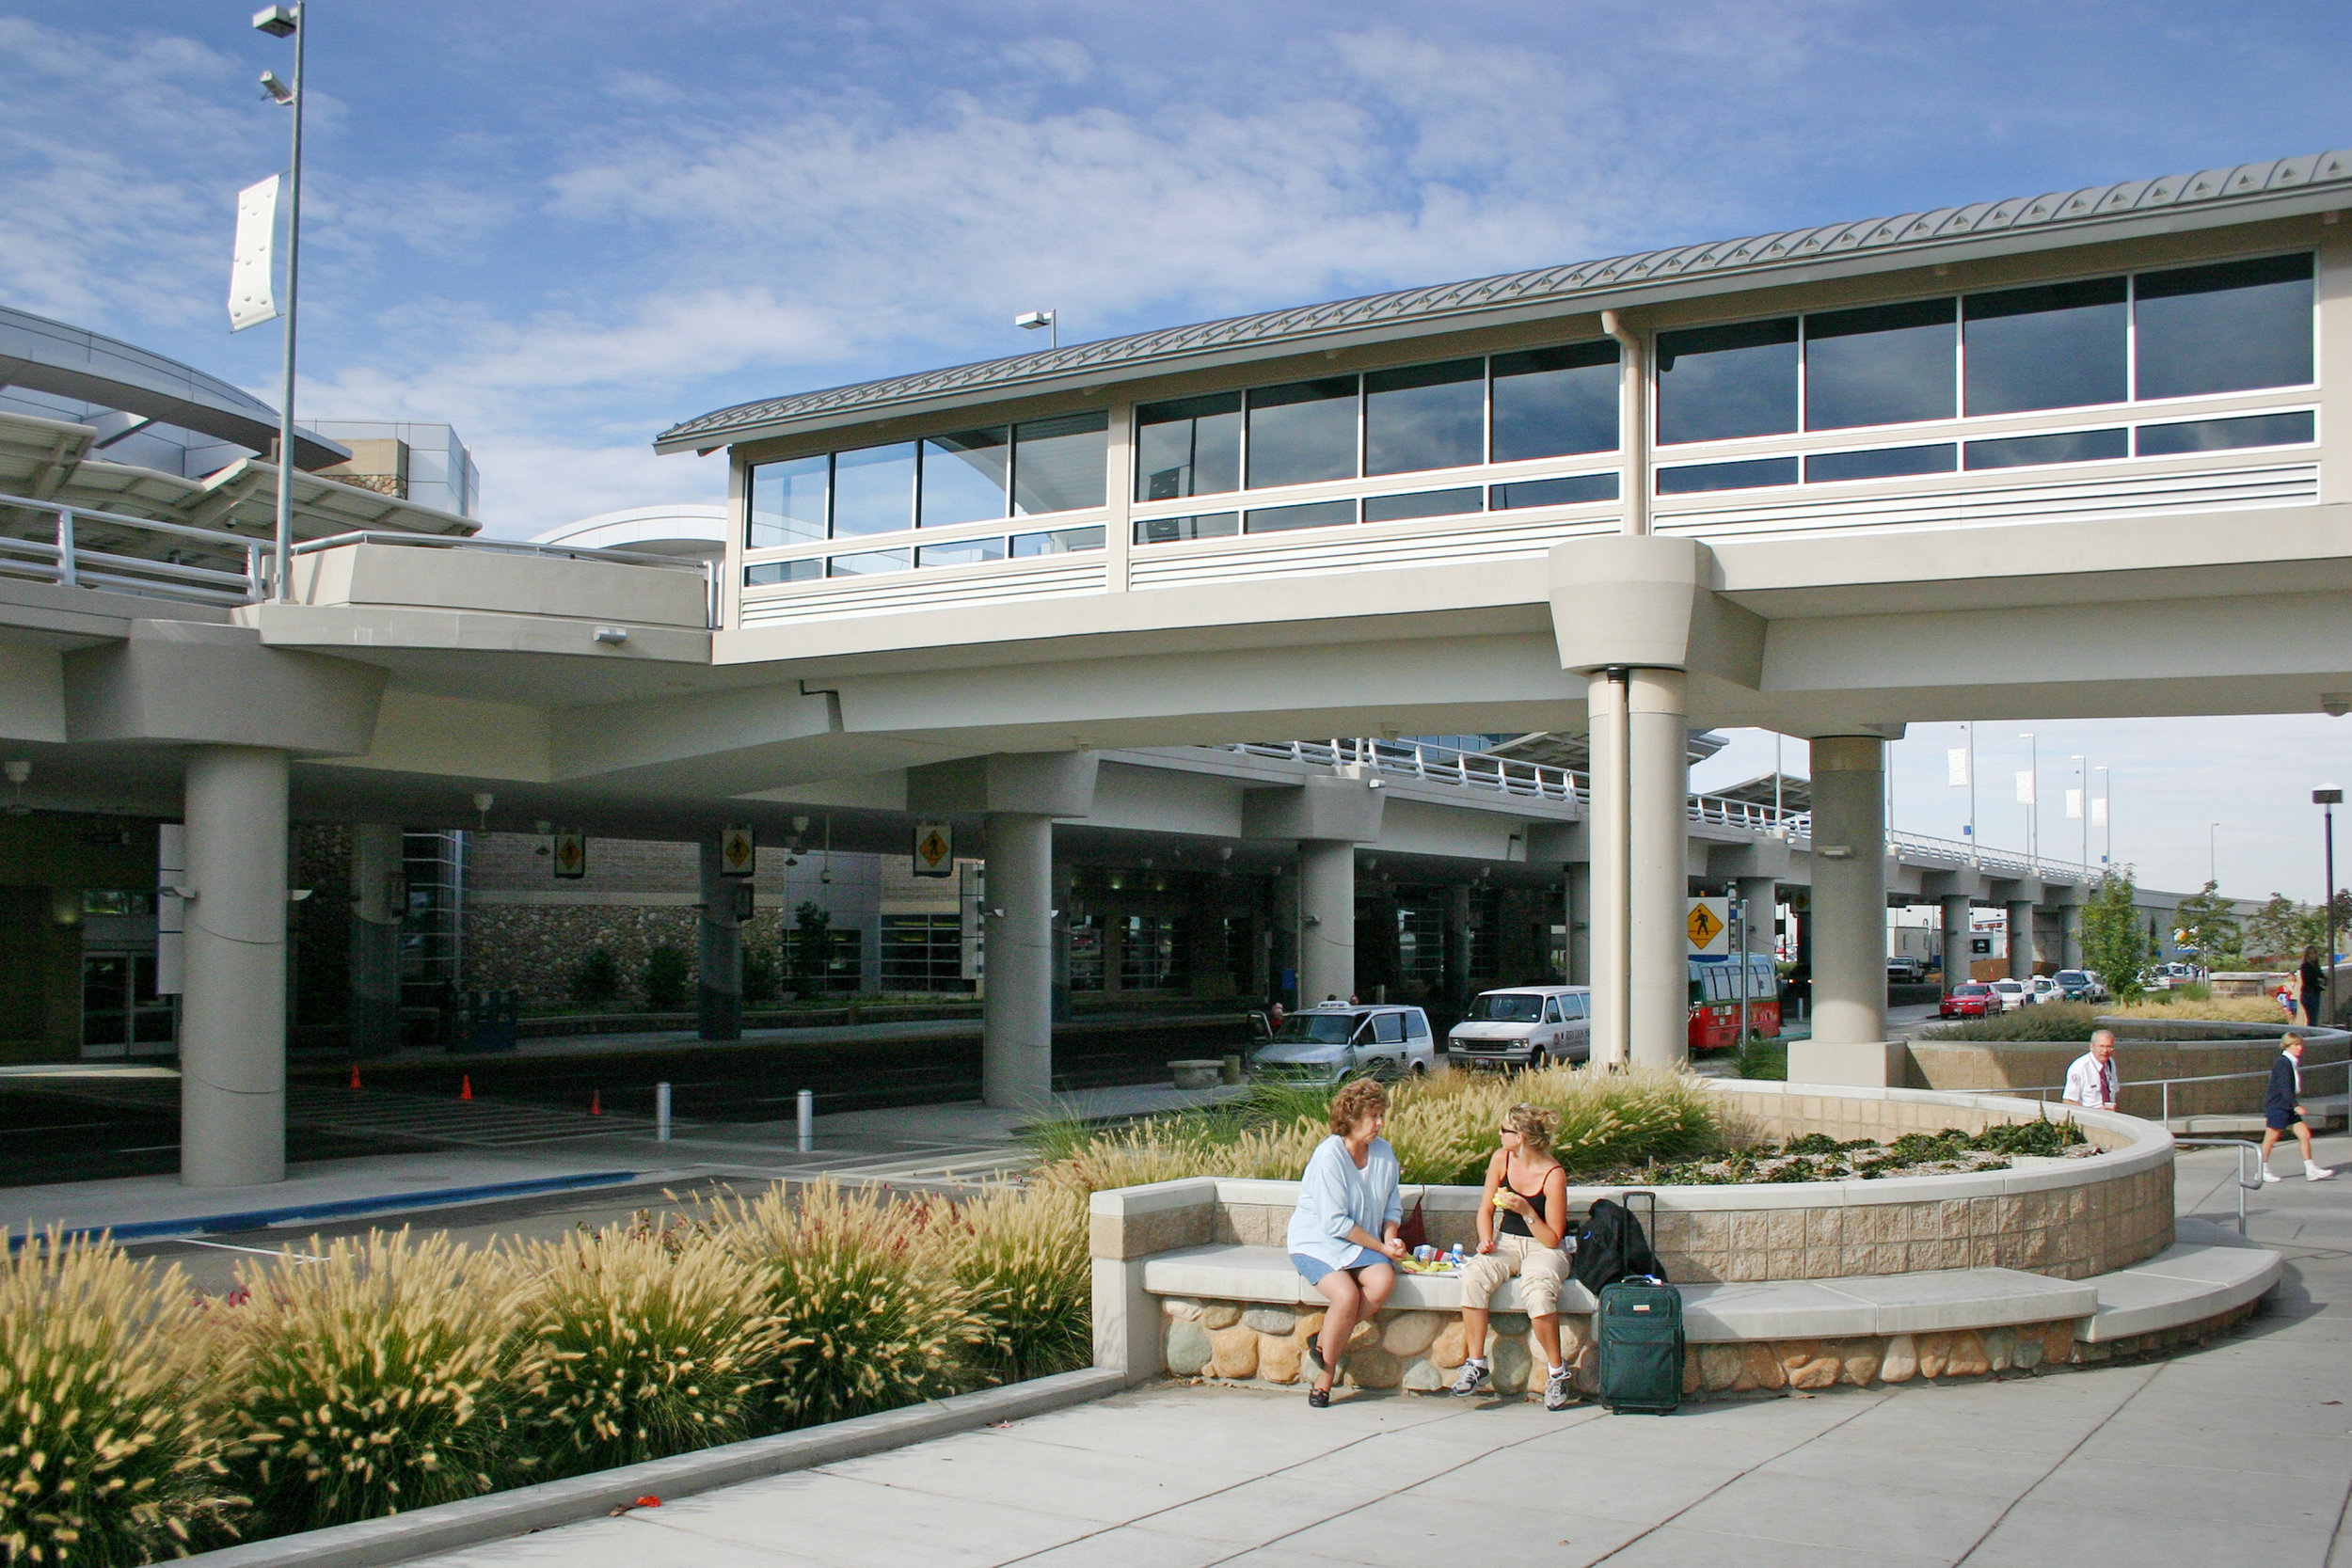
(501, 546)
(1993, 860)
(69, 562)
(2043, 1091)
(2250, 1173)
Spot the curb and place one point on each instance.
(448, 1527)
(257, 1219)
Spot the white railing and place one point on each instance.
(67, 560)
(1966, 853)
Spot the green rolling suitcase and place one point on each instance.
(1639, 1329)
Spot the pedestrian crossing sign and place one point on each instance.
(934, 849)
(1709, 919)
(571, 855)
(738, 851)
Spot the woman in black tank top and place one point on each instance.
(1523, 1220)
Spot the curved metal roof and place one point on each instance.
(2213, 196)
(74, 362)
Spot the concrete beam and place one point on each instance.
(190, 683)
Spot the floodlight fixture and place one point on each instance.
(1030, 320)
(276, 20)
(276, 90)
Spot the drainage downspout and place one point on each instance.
(1633, 420)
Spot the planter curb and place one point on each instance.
(470, 1522)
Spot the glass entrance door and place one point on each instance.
(122, 1013)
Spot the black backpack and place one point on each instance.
(1611, 1245)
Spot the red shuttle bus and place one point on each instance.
(1715, 1001)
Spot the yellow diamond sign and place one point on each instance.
(1704, 925)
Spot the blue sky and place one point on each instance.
(563, 226)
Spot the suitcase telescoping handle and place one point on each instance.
(1648, 1221)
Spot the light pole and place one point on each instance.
(2106, 798)
(2082, 800)
(2328, 798)
(2033, 799)
(1030, 320)
(2213, 854)
(283, 21)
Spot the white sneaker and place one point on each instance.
(1476, 1378)
(2317, 1173)
(2269, 1175)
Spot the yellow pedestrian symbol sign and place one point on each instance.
(934, 849)
(738, 849)
(1706, 923)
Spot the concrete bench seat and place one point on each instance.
(1226, 1273)
(2209, 1271)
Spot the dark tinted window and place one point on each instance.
(873, 490)
(1191, 447)
(1884, 365)
(787, 503)
(1058, 464)
(1718, 382)
(1552, 492)
(1278, 519)
(1168, 530)
(1426, 417)
(1555, 402)
(1387, 1028)
(1825, 468)
(1727, 476)
(1423, 503)
(963, 477)
(1303, 432)
(2254, 430)
(2224, 328)
(2055, 345)
(2073, 446)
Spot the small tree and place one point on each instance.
(759, 973)
(2205, 920)
(2276, 929)
(2114, 946)
(597, 979)
(812, 945)
(666, 976)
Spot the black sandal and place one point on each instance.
(1319, 1399)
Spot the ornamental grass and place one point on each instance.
(646, 1342)
(384, 1376)
(1022, 1261)
(109, 1454)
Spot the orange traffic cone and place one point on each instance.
(595, 1102)
(465, 1086)
(355, 1075)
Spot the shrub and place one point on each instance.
(667, 975)
(759, 973)
(104, 1456)
(1023, 1261)
(844, 1274)
(597, 979)
(375, 1381)
(647, 1343)
(2047, 1022)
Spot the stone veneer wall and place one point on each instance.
(1998, 1067)
(535, 949)
(1419, 1352)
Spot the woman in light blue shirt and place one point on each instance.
(1343, 1233)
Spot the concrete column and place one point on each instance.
(1282, 938)
(2021, 938)
(1848, 915)
(1327, 905)
(1065, 899)
(719, 952)
(1656, 876)
(232, 1020)
(2071, 925)
(1606, 909)
(376, 860)
(1457, 944)
(1577, 913)
(1017, 1014)
(1957, 907)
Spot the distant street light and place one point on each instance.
(2213, 854)
(1030, 320)
(2033, 799)
(2328, 798)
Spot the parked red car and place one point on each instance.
(1973, 1000)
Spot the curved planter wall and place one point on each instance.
(2166, 1048)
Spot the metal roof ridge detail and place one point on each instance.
(1559, 282)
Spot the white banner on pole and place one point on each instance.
(2024, 789)
(1956, 767)
(2099, 812)
(253, 267)
(2074, 805)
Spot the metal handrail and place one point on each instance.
(2246, 1152)
(2165, 1085)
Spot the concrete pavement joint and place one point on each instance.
(2057, 1463)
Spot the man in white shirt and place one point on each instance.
(2090, 1083)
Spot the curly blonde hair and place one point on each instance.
(1534, 1124)
(1354, 1103)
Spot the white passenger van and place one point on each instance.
(1524, 1026)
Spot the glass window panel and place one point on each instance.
(1826, 468)
(1727, 476)
(963, 552)
(1058, 541)
(768, 572)
(1169, 530)
(1718, 382)
(873, 490)
(1888, 364)
(787, 503)
(2224, 328)
(1426, 417)
(1278, 519)
(963, 477)
(1191, 447)
(1555, 402)
(1425, 504)
(2073, 446)
(2254, 430)
(1058, 464)
(2055, 345)
(867, 564)
(1552, 492)
(1303, 432)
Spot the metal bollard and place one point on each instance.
(808, 1106)
(661, 1113)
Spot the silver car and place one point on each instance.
(1337, 1040)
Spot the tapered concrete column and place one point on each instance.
(1017, 1013)
(1457, 943)
(1657, 898)
(1576, 913)
(718, 951)
(376, 861)
(1957, 907)
(1849, 916)
(2071, 940)
(1327, 919)
(2020, 938)
(233, 1019)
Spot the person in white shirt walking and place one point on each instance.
(2091, 1083)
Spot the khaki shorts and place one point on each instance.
(1540, 1270)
